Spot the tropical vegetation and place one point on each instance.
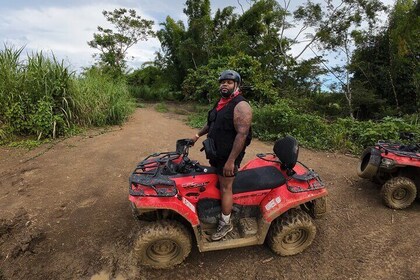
(359, 84)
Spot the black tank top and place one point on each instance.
(222, 129)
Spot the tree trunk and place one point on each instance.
(349, 95)
(394, 91)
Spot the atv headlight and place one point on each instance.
(387, 163)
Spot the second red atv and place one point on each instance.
(396, 167)
(275, 198)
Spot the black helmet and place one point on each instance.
(230, 75)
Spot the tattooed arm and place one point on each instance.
(242, 118)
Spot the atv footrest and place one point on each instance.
(248, 227)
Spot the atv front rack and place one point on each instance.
(149, 185)
(148, 178)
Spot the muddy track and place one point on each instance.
(64, 214)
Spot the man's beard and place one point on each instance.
(226, 93)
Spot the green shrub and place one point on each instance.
(271, 122)
(356, 135)
(199, 116)
(197, 120)
(161, 107)
(201, 84)
(27, 144)
(152, 93)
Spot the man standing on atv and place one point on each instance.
(229, 128)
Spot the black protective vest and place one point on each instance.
(222, 129)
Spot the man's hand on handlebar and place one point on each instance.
(195, 138)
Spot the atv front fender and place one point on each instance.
(178, 204)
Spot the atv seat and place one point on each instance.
(255, 179)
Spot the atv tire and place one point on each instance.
(162, 244)
(399, 192)
(320, 207)
(291, 233)
(368, 163)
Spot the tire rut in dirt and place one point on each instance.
(399, 192)
(291, 233)
(162, 244)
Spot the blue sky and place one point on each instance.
(65, 27)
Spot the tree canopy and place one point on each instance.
(114, 44)
(386, 64)
(377, 71)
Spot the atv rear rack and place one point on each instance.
(312, 179)
(410, 151)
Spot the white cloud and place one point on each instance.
(65, 27)
(64, 31)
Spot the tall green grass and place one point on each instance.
(33, 94)
(100, 100)
(10, 75)
(41, 97)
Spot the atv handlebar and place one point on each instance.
(182, 146)
(170, 162)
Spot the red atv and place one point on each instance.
(396, 167)
(174, 197)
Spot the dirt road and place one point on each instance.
(64, 214)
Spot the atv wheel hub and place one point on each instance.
(295, 238)
(163, 250)
(399, 194)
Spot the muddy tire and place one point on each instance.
(399, 192)
(368, 164)
(320, 207)
(291, 233)
(162, 244)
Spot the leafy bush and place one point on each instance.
(149, 75)
(161, 107)
(271, 122)
(202, 84)
(152, 93)
(356, 135)
(149, 83)
(198, 119)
